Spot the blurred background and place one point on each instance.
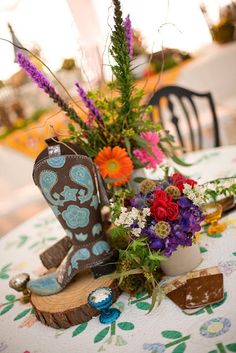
(191, 43)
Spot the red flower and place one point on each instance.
(172, 211)
(158, 210)
(179, 180)
(190, 182)
(161, 195)
(163, 208)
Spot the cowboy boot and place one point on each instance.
(70, 183)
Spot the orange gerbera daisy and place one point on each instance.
(114, 163)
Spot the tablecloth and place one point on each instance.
(165, 329)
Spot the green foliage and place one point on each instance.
(6, 309)
(22, 314)
(231, 347)
(124, 115)
(119, 199)
(126, 326)
(218, 187)
(4, 271)
(143, 306)
(102, 334)
(79, 329)
(122, 69)
(180, 348)
(118, 237)
(138, 268)
(171, 334)
(10, 297)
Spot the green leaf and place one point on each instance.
(10, 297)
(180, 348)
(23, 239)
(234, 253)
(157, 257)
(79, 329)
(203, 249)
(215, 236)
(99, 337)
(179, 161)
(139, 179)
(51, 238)
(171, 334)
(141, 294)
(128, 147)
(22, 314)
(231, 347)
(143, 305)
(126, 326)
(214, 351)
(6, 309)
(201, 311)
(4, 275)
(154, 299)
(34, 245)
(6, 267)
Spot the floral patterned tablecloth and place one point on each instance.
(165, 329)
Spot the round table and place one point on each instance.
(165, 329)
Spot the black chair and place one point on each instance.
(188, 114)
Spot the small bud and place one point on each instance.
(162, 229)
(173, 191)
(146, 186)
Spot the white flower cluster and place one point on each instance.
(128, 217)
(194, 194)
(201, 194)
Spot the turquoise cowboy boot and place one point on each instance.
(71, 185)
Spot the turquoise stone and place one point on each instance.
(45, 285)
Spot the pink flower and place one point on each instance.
(152, 138)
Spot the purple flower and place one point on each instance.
(156, 243)
(36, 75)
(129, 36)
(184, 202)
(42, 81)
(93, 110)
(138, 201)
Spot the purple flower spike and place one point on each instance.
(42, 81)
(88, 103)
(129, 36)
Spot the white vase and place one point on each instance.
(183, 260)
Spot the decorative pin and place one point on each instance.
(101, 299)
(19, 283)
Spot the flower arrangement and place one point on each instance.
(212, 191)
(116, 129)
(154, 223)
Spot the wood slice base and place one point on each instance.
(70, 307)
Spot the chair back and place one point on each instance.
(188, 114)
